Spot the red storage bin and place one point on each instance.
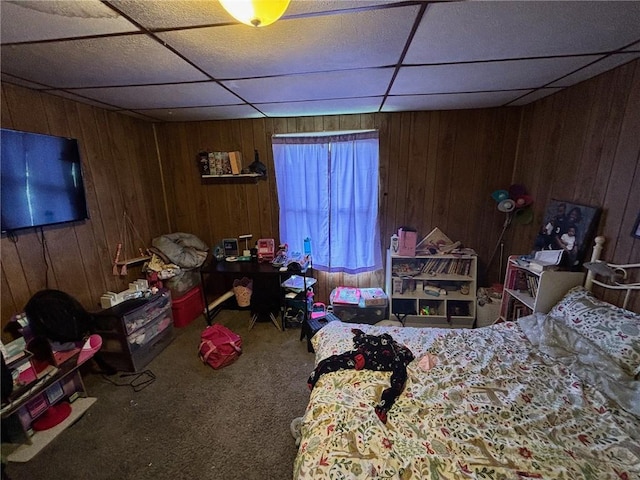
(188, 307)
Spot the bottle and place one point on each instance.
(310, 296)
(307, 251)
(395, 244)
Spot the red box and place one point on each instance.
(188, 307)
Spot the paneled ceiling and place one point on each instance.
(188, 60)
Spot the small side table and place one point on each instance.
(311, 326)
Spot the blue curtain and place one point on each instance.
(328, 191)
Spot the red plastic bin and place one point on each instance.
(188, 307)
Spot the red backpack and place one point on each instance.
(219, 346)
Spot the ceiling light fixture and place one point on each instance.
(256, 13)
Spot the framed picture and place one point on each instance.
(570, 227)
(230, 246)
(636, 228)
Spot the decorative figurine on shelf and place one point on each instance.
(257, 166)
(203, 161)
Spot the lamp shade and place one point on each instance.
(523, 201)
(524, 216)
(256, 13)
(507, 205)
(500, 195)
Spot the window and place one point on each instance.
(328, 191)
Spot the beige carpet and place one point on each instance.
(192, 422)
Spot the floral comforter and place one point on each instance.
(493, 407)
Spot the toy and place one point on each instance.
(318, 310)
(281, 257)
(266, 249)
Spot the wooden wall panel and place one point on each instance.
(120, 169)
(436, 169)
(582, 145)
(432, 173)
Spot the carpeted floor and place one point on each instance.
(192, 422)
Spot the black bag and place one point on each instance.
(58, 316)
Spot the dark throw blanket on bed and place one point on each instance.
(372, 352)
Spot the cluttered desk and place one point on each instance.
(266, 296)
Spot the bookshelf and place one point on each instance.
(526, 291)
(432, 290)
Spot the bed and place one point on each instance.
(552, 396)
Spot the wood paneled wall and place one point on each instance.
(436, 169)
(120, 171)
(583, 145)
(433, 172)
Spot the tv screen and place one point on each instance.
(41, 180)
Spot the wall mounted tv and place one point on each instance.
(40, 180)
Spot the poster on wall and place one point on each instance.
(570, 227)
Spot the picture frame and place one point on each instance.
(568, 226)
(636, 229)
(230, 246)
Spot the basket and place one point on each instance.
(242, 288)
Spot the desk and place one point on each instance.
(217, 279)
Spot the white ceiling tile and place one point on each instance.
(28, 21)
(124, 60)
(299, 45)
(597, 68)
(451, 101)
(501, 30)
(297, 7)
(535, 95)
(633, 48)
(163, 96)
(473, 77)
(321, 107)
(189, 13)
(174, 13)
(323, 57)
(202, 113)
(320, 86)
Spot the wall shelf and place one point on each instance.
(237, 175)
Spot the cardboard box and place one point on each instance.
(407, 242)
(373, 297)
(361, 312)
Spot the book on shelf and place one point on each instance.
(235, 159)
(532, 285)
(519, 310)
(448, 266)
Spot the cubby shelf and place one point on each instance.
(432, 290)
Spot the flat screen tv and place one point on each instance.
(40, 180)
